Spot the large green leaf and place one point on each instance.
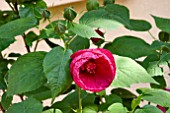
(129, 72)
(84, 31)
(56, 68)
(130, 46)
(162, 23)
(118, 107)
(26, 74)
(14, 28)
(79, 43)
(99, 19)
(30, 105)
(157, 96)
(139, 25)
(148, 109)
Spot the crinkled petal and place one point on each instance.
(104, 73)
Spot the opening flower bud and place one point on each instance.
(98, 41)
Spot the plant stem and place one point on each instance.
(80, 100)
(36, 45)
(71, 39)
(151, 35)
(27, 47)
(16, 7)
(11, 7)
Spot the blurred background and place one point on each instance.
(139, 9)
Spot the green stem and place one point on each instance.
(80, 100)
(71, 39)
(152, 35)
(36, 45)
(27, 47)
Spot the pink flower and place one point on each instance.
(93, 69)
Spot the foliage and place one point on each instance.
(36, 76)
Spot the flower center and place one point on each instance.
(89, 67)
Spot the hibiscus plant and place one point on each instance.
(91, 74)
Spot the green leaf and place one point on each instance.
(41, 93)
(110, 99)
(154, 69)
(26, 74)
(123, 93)
(11, 29)
(71, 101)
(30, 38)
(126, 96)
(148, 109)
(139, 25)
(90, 109)
(151, 58)
(3, 72)
(56, 68)
(130, 46)
(79, 43)
(100, 19)
(158, 44)
(129, 72)
(157, 96)
(119, 13)
(84, 31)
(52, 111)
(6, 101)
(118, 107)
(33, 10)
(162, 23)
(30, 105)
(161, 81)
